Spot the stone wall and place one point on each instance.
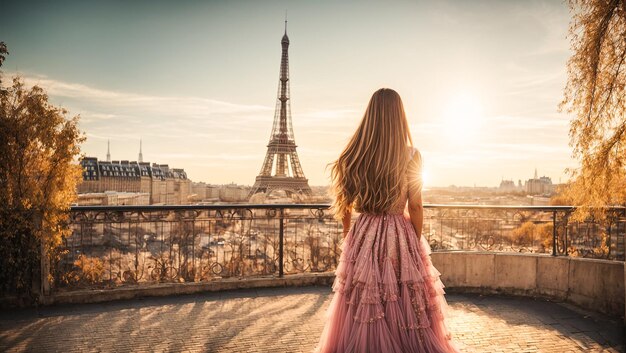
(597, 285)
(594, 284)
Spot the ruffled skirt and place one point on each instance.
(387, 294)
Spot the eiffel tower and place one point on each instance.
(286, 174)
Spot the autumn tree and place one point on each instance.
(595, 94)
(38, 174)
(529, 233)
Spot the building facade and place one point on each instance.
(164, 185)
(203, 192)
(539, 185)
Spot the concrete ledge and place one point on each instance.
(590, 283)
(167, 289)
(593, 284)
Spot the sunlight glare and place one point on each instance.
(425, 177)
(463, 115)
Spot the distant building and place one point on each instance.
(539, 185)
(215, 193)
(114, 198)
(233, 193)
(199, 191)
(507, 186)
(162, 184)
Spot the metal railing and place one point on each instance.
(535, 229)
(111, 246)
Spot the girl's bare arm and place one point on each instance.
(416, 211)
(416, 208)
(345, 220)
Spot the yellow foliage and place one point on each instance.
(528, 233)
(524, 234)
(91, 269)
(39, 147)
(544, 233)
(594, 95)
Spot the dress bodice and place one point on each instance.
(411, 184)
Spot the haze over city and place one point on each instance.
(197, 81)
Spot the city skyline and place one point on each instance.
(537, 174)
(481, 91)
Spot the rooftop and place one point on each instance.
(290, 320)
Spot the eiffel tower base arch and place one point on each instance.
(290, 185)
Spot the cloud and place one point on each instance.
(120, 114)
(188, 106)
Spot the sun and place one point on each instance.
(462, 117)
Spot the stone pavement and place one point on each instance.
(289, 320)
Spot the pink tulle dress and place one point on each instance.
(387, 294)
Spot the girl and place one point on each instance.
(388, 295)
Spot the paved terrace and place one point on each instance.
(290, 320)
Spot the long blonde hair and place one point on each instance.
(368, 174)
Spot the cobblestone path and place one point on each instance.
(289, 320)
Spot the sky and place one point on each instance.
(197, 81)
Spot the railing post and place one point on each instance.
(565, 231)
(553, 233)
(42, 283)
(281, 238)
